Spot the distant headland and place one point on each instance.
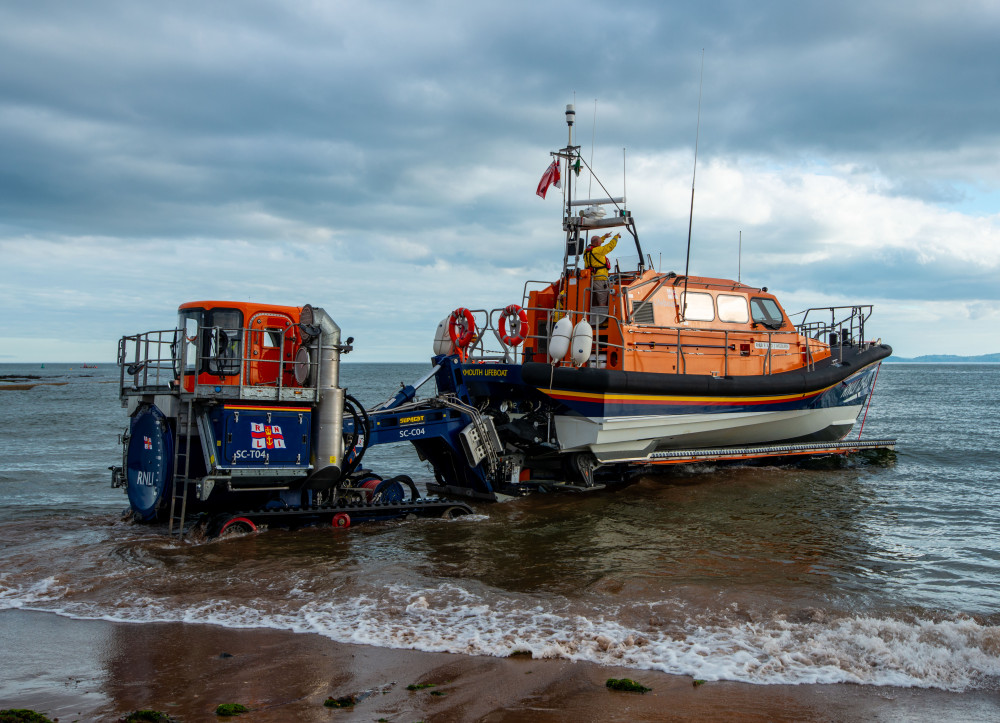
(949, 359)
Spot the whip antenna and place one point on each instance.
(593, 137)
(697, 132)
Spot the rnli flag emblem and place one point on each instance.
(266, 436)
(147, 443)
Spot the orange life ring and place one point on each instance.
(461, 318)
(513, 311)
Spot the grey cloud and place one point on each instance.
(147, 124)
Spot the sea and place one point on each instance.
(876, 572)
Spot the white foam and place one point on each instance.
(954, 654)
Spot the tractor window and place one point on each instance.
(225, 330)
(766, 312)
(186, 343)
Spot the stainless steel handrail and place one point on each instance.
(156, 361)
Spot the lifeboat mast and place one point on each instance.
(576, 225)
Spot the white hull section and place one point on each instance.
(613, 439)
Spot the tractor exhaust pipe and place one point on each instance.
(328, 419)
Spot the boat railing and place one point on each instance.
(684, 343)
(487, 344)
(204, 365)
(835, 324)
(702, 342)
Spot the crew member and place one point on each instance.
(596, 258)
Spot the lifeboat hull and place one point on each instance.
(621, 416)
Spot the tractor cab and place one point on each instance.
(237, 343)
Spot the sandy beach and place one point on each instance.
(98, 671)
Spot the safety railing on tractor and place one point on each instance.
(147, 361)
(204, 365)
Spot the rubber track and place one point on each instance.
(357, 510)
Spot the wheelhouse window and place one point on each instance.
(733, 308)
(766, 312)
(697, 306)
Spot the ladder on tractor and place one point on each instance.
(182, 468)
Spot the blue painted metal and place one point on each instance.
(262, 436)
(149, 461)
(433, 430)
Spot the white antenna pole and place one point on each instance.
(739, 257)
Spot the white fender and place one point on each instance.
(442, 339)
(582, 343)
(559, 341)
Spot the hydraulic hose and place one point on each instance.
(361, 421)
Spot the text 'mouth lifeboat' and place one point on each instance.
(608, 368)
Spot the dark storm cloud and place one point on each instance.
(113, 109)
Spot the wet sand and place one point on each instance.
(97, 670)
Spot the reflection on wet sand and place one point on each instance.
(187, 670)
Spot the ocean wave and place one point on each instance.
(955, 654)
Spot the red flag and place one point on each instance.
(551, 177)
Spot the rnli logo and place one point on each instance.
(266, 436)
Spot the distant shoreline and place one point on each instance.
(947, 359)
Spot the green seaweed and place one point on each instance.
(698, 682)
(520, 653)
(626, 684)
(146, 716)
(420, 686)
(346, 701)
(438, 692)
(231, 709)
(22, 715)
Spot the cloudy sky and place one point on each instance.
(380, 159)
